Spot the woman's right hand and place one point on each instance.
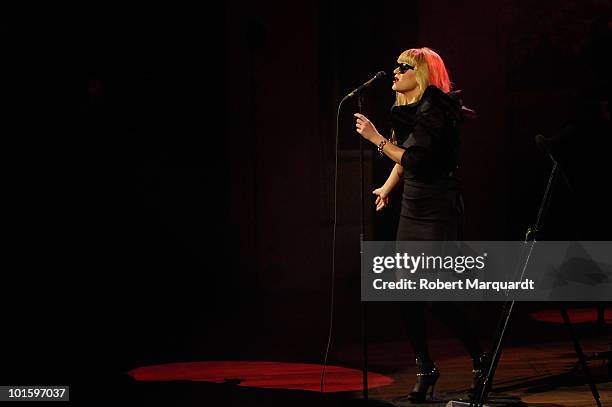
(382, 198)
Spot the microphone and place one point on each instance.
(380, 74)
(543, 145)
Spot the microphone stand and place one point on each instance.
(484, 385)
(365, 401)
(364, 308)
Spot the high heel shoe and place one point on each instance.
(425, 380)
(479, 370)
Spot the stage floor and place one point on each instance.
(538, 365)
(540, 374)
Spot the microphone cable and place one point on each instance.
(333, 270)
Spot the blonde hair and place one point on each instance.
(429, 70)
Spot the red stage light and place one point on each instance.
(576, 316)
(273, 375)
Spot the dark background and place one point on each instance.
(167, 175)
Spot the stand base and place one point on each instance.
(367, 403)
(463, 400)
(439, 400)
(494, 400)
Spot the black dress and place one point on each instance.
(432, 204)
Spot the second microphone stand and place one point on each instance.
(483, 388)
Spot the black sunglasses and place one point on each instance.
(404, 67)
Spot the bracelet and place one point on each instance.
(381, 145)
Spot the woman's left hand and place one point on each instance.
(365, 127)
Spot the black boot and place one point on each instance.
(481, 364)
(427, 376)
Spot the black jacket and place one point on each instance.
(429, 131)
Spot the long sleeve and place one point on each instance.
(431, 138)
(418, 159)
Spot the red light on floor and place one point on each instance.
(576, 316)
(272, 375)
